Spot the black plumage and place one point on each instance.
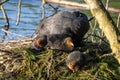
(60, 42)
(71, 24)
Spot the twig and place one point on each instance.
(106, 55)
(13, 41)
(107, 4)
(43, 9)
(93, 30)
(14, 33)
(3, 2)
(49, 64)
(10, 37)
(17, 42)
(98, 37)
(91, 19)
(19, 12)
(118, 20)
(54, 8)
(2, 50)
(6, 19)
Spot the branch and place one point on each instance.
(43, 9)
(118, 20)
(19, 11)
(3, 2)
(76, 5)
(106, 24)
(14, 33)
(7, 21)
(5, 16)
(99, 38)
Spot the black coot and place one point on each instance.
(72, 24)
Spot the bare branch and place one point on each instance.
(102, 38)
(54, 8)
(7, 21)
(3, 2)
(19, 11)
(76, 5)
(118, 20)
(107, 4)
(43, 9)
(13, 33)
(5, 17)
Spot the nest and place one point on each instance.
(22, 62)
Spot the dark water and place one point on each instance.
(30, 16)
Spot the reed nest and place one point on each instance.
(19, 61)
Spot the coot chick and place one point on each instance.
(40, 42)
(75, 60)
(60, 42)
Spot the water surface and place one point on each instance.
(31, 16)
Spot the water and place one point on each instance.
(30, 16)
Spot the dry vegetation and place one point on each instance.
(24, 63)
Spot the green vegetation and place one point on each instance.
(25, 63)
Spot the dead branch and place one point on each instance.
(43, 9)
(19, 11)
(106, 55)
(54, 8)
(118, 20)
(107, 4)
(15, 41)
(3, 2)
(19, 42)
(69, 4)
(6, 19)
(102, 38)
(13, 33)
(76, 5)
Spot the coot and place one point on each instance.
(62, 25)
(75, 24)
(75, 60)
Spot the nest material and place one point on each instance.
(24, 63)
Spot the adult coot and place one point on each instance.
(72, 24)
